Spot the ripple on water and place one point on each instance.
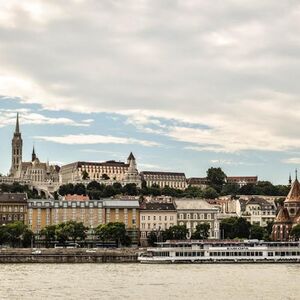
(136, 281)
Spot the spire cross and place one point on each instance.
(296, 171)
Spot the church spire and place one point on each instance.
(17, 146)
(290, 180)
(17, 130)
(33, 155)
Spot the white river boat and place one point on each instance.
(225, 251)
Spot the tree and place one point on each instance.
(27, 238)
(61, 233)
(70, 230)
(295, 232)
(152, 238)
(202, 232)
(230, 189)
(130, 189)
(85, 175)
(210, 193)
(216, 178)
(176, 232)
(235, 228)
(16, 234)
(113, 231)
(257, 232)
(79, 189)
(117, 187)
(248, 189)
(66, 189)
(109, 191)
(193, 192)
(49, 234)
(94, 185)
(3, 235)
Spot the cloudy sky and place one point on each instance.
(185, 85)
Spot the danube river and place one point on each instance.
(135, 281)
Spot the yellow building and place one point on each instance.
(124, 211)
(42, 212)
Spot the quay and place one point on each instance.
(77, 255)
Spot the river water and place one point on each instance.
(136, 281)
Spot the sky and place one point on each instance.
(186, 85)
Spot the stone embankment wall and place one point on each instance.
(9, 255)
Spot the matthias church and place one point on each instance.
(34, 171)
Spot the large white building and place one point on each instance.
(191, 212)
(107, 172)
(156, 216)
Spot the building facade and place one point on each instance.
(107, 172)
(259, 211)
(42, 212)
(242, 180)
(288, 215)
(165, 179)
(124, 211)
(155, 216)
(13, 208)
(191, 212)
(199, 182)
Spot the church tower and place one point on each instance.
(17, 145)
(33, 155)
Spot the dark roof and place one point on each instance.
(294, 194)
(13, 197)
(197, 180)
(162, 173)
(241, 178)
(112, 163)
(283, 216)
(260, 201)
(158, 206)
(131, 156)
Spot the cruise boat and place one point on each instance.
(214, 251)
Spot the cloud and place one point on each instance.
(8, 117)
(232, 67)
(90, 139)
(292, 160)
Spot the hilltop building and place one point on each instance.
(242, 180)
(288, 215)
(34, 172)
(107, 172)
(163, 179)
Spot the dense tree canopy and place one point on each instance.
(16, 235)
(295, 232)
(113, 231)
(202, 232)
